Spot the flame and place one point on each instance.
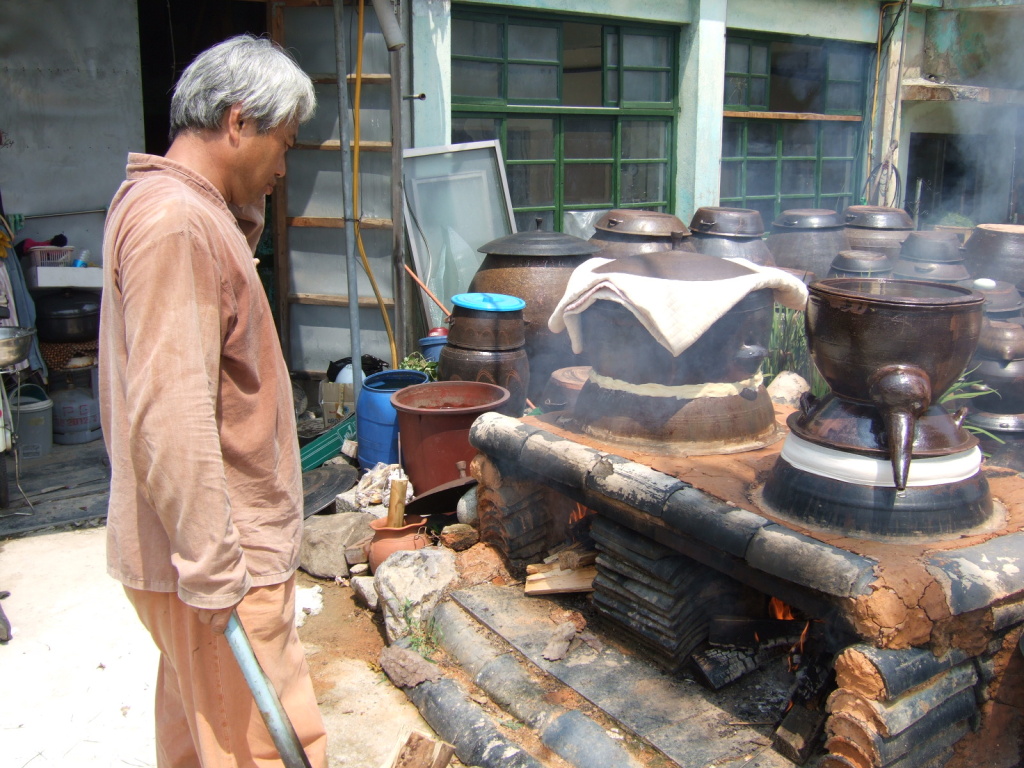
(779, 610)
(579, 512)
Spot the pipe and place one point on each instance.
(350, 234)
(281, 729)
(397, 196)
(393, 37)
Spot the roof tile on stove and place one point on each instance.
(976, 577)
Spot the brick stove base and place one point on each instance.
(925, 631)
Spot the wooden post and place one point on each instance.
(396, 503)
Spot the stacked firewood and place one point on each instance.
(898, 709)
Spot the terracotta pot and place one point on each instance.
(411, 536)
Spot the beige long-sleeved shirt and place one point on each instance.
(196, 403)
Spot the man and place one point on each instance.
(206, 491)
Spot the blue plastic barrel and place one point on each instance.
(376, 419)
(431, 346)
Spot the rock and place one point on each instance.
(407, 669)
(325, 539)
(365, 588)
(787, 388)
(346, 502)
(356, 554)
(483, 564)
(560, 640)
(359, 569)
(459, 536)
(410, 584)
(465, 510)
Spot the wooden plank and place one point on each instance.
(329, 78)
(794, 116)
(332, 300)
(334, 145)
(557, 582)
(335, 222)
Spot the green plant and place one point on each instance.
(965, 389)
(788, 350)
(417, 362)
(423, 635)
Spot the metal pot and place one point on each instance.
(68, 316)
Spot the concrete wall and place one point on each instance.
(71, 97)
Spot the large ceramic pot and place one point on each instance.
(932, 255)
(895, 344)
(860, 264)
(807, 240)
(996, 251)
(730, 233)
(535, 266)
(624, 232)
(999, 359)
(877, 228)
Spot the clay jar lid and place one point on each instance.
(538, 242)
(1000, 296)
(727, 222)
(809, 218)
(675, 265)
(940, 247)
(645, 223)
(860, 263)
(877, 217)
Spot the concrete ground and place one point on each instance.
(77, 677)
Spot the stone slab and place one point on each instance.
(691, 726)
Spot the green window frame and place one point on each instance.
(775, 165)
(602, 138)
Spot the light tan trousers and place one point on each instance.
(205, 713)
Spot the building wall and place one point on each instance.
(71, 97)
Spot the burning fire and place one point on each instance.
(779, 610)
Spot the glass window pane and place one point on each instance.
(799, 139)
(797, 202)
(581, 65)
(531, 184)
(588, 183)
(731, 177)
(760, 177)
(645, 51)
(845, 65)
(476, 79)
(611, 48)
(839, 203)
(759, 92)
(644, 139)
(760, 139)
(526, 221)
(836, 176)
(736, 90)
(611, 86)
(797, 177)
(765, 207)
(642, 183)
(844, 97)
(532, 43)
(588, 137)
(838, 140)
(737, 56)
(798, 75)
(476, 38)
(530, 138)
(732, 138)
(467, 129)
(532, 81)
(759, 59)
(645, 86)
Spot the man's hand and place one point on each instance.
(216, 619)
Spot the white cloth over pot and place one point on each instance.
(675, 312)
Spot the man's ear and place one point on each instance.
(233, 122)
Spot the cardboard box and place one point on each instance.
(337, 401)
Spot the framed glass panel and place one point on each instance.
(646, 86)
(837, 203)
(641, 182)
(526, 221)
(759, 59)
(737, 56)
(732, 179)
(736, 90)
(533, 82)
(845, 65)
(761, 139)
(795, 202)
(532, 185)
(532, 43)
(530, 138)
(844, 97)
(466, 129)
(476, 79)
(644, 139)
(760, 177)
(797, 177)
(836, 176)
(588, 137)
(758, 92)
(732, 139)
(645, 50)
(471, 37)
(765, 207)
(839, 139)
(799, 139)
(588, 183)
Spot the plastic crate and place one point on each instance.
(50, 256)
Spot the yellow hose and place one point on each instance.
(355, 185)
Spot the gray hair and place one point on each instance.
(246, 70)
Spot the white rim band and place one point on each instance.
(865, 470)
(680, 392)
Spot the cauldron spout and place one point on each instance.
(902, 393)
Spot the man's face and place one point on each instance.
(261, 160)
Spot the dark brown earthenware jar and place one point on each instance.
(624, 232)
(535, 266)
(731, 233)
(931, 255)
(996, 251)
(877, 228)
(807, 240)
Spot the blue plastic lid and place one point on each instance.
(490, 302)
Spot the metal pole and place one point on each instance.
(346, 192)
(397, 206)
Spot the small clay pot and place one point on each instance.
(411, 536)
